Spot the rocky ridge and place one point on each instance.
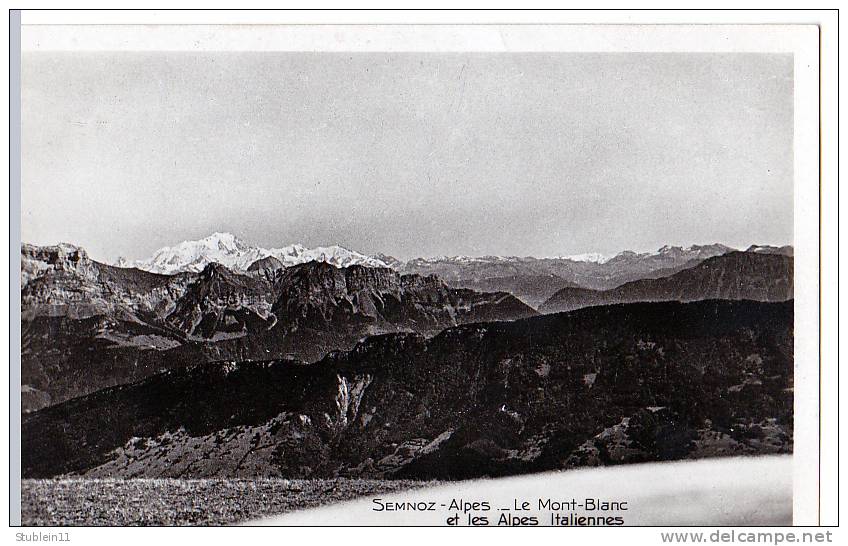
(88, 325)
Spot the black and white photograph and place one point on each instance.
(410, 285)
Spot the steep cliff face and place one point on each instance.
(88, 325)
(219, 304)
(62, 281)
(752, 275)
(605, 385)
(265, 267)
(378, 300)
(37, 261)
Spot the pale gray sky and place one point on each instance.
(411, 154)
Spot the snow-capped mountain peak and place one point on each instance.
(336, 255)
(593, 257)
(228, 250)
(225, 242)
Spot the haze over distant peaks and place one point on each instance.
(228, 250)
(693, 251)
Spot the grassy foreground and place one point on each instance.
(98, 502)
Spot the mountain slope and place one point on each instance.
(88, 325)
(605, 385)
(220, 304)
(265, 265)
(381, 296)
(63, 281)
(736, 275)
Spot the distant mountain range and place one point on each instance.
(532, 280)
(603, 385)
(753, 275)
(228, 250)
(88, 325)
(217, 359)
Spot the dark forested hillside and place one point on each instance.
(604, 385)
